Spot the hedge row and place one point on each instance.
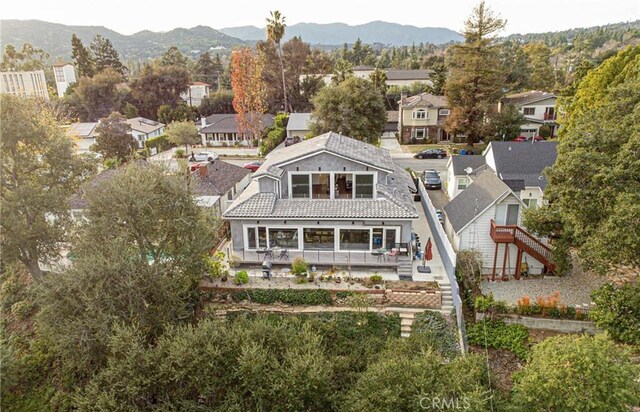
(161, 143)
(287, 296)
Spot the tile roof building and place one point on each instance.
(330, 193)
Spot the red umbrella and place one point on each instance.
(428, 252)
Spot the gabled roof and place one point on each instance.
(228, 123)
(460, 163)
(83, 130)
(144, 125)
(523, 161)
(299, 121)
(532, 96)
(426, 100)
(336, 144)
(485, 190)
(219, 179)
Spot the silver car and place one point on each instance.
(204, 157)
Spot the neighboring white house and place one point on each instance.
(223, 130)
(460, 170)
(84, 135)
(196, 92)
(298, 125)
(143, 129)
(468, 220)
(65, 75)
(31, 83)
(538, 108)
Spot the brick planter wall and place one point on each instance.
(415, 298)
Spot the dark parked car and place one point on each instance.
(431, 154)
(253, 166)
(291, 140)
(432, 180)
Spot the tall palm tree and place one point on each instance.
(275, 33)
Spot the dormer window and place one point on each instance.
(420, 114)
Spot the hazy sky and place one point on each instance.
(130, 16)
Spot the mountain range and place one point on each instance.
(392, 34)
(55, 38)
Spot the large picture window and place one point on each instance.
(318, 239)
(354, 239)
(344, 186)
(299, 186)
(364, 186)
(284, 238)
(320, 186)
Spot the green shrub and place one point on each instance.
(376, 279)
(241, 278)
(484, 304)
(160, 143)
(179, 154)
(440, 333)
(287, 296)
(21, 310)
(499, 335)
(299, 266)
(617, 311)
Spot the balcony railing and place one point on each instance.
(523, 240)
(549, 116)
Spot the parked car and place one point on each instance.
(291, 140)
(203, 157)
(440, 216)
(253, 166)
(431, 179)
(527, 139)
(431, 154)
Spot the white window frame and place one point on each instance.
(525, 109)
(444, 112)
(420, 114)
(462, 180)
(332, 182)
(336, 234)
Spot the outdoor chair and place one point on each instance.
(284, 254)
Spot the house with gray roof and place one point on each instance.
(469, 218)
(223, 130)
(461, 170)
(538, 108)
(143, 129)
(298, 125)
(331, 199)
(421, 118)
(217, 184)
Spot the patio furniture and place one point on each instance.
(284, 254)
(381, 254)
(268, 254)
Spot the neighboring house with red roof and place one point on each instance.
(538, 108)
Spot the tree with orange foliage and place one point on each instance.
(248, 92)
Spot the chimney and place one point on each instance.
(403, 97)
(203, 121)
(203, 170)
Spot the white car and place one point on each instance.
(204, 157)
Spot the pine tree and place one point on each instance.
(105, 55)
(81, 57)
(173, 57)
(475, 80)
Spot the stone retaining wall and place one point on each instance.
(415, 298)
(558, 325)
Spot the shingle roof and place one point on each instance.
(337, 144)
(425, 100)
(392, 116)
(393, 201)
(480, 194)
(144, 125)
(460, 163)
(408, 74)
(220, 178)
(83, 130)
(524, 161)
(299, 121)
(529, 97)
(227, 123)
(78, 200)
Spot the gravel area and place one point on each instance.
(575, 289)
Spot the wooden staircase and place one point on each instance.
(525, 242)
